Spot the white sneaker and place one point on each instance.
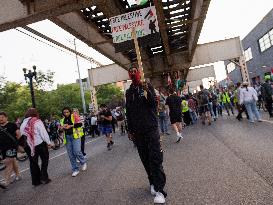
(18, 178)
(153, 192)
(179, 137)
(84, 167)
(159, 198)
(75, 173)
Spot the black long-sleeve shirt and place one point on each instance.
(141, 112)
(267, 91)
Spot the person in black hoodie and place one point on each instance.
(141, 113)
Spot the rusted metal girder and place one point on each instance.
(198, 12)
(162, 25)
(180, 6)
(109, 7)
(15, 13)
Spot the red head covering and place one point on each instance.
(135, 76)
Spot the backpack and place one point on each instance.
(266, 91)
(204, 98)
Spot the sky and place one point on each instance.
(225, 19)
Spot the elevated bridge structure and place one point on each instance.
(180, 23)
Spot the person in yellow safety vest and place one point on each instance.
(72, 133)
(226, 102)
(186, 111)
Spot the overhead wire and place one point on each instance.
(33, 31)
(42, 41)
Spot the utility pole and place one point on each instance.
(80, 80)
(94, 102)
(30, 76)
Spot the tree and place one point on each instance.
(44, 80)
(2, 82)
(110, 95)
(15, 100)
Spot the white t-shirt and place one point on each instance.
(94, 120)
(248, 95)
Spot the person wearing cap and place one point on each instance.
(248, 97)
(141, 113)
(267, 94)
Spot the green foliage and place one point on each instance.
(44, 81)
(2, 82)
(110, 95)
(15, 99)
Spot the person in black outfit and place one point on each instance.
(173, 102)
(267, 94)
(106, 118)
(9, 135)
(141, 113)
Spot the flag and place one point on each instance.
(149, 15)
(141, 2)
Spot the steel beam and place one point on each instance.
(75, 24)
(199, 11)
(15, 13)
(161, 22)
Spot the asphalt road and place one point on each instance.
(229, 162)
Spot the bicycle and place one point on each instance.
(57, 139)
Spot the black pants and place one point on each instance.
(37, 174)
(241, 109)
(113, 125)
(151, 155)
(94, 130)
(83, 145)
(187, 117)
(268, 104)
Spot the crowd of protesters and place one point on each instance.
(145, 118)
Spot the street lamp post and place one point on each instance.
(30, 76)
(80, 80)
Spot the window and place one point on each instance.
(266, 41)
(248, 54)
(230, 67)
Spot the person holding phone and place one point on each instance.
(73, 132)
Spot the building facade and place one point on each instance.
(258, 51)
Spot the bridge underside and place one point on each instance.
(180, 23)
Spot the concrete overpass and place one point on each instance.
(180, 23)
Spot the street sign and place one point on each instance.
(146, 28)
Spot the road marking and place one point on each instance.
(268, 121)
(24, 170)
